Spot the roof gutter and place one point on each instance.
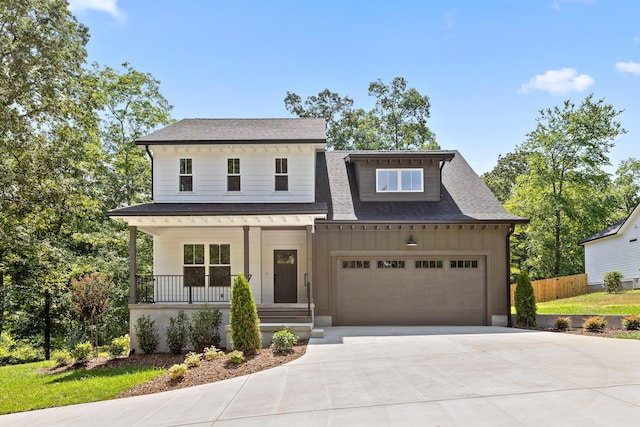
(146, 148)
(512, 228)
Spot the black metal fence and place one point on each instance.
(174, 288)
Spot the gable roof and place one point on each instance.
(613, 229)
(465, 197)
(229, 131)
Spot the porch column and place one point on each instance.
(245, 229)
(133, 295)
(309, 264)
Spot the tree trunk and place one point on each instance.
(556, 264)
(47, 324)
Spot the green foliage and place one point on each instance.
(502, 178)
(119, 346)
(627, 185)
(631, 323)
(212, 353)
(82, 351)
(90, 299)
(243, 317)
(14, 352)
(205, 328)
(525, 302)
(562, 323)
(612, 282)
(397, 122)
(283, 341)
(595, 324)
(61, 356)
(147, 334)
(178, 332)
(236, 357)
(193, 359)
(177, 372)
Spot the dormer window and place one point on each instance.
(233, 174)
(186, 175)
(282, 176)
(399, 180)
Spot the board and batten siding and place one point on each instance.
(366, 178)
(615, 253)
(257, 173)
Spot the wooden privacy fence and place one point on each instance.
(557, 287)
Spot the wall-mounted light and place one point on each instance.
(411, 242)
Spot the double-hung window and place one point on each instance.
(219, 265)
(399, 180)
(194, 268)
(186, 175)
(282, 175)
(233, 174)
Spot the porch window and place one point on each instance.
(220, 265)
(282, 175)
(193, 269)
(233, 174)
(186, 175)
(399, 180)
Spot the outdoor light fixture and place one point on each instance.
(411, 242)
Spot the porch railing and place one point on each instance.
(174, 288)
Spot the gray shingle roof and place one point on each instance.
(200, 131)
(216, 209)
(609, 231)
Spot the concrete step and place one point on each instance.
(275, 318)
(317, 333)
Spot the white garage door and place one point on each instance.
(411, 291)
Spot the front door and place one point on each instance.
(285, 276)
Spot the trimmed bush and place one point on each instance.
(147, 334)
(525, 301)
(612, 282)
(631, 323)
(243, 317)
(595, 324)
(61, 357)
(212, 353)
(283, 341)
(17, 352)
(236, 357)
(562, 323)
(177, 372)
(178, 332)
(119, 346)
(205, 328)
(82, 351)
(192, 359)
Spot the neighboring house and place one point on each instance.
(616, 248)
(326, 237)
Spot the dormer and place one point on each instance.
(235, 160)
(399, 175)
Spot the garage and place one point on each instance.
(393, 290)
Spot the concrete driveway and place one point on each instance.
(404, 376)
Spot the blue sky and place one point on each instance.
(487, 66)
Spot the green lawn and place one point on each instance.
(24, 387)
(596, 303)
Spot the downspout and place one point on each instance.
(146, 147)
(512, 228)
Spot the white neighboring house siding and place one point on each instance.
(257, 172)
(614, 253)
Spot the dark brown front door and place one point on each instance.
(285, 276)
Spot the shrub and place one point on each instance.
(211, 353)
(192, 359)
(595, 324)
(178, 332)
(612, 282)
(283, 341)
(562, 323)
(90, 300)
(205, 328)
(525, 301)
(82, 351)
(61, 357)
(243, 317)
(17, 352)
(177, 372)
(236, 356)
(631, 323)
(119, 346)
(147, 334)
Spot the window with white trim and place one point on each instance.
(233, 174)
(282, 175)
(399, 180)
(186, 175)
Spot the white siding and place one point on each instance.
(615, 253)
(257, 171)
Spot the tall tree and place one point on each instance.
(502, 178)
(627, 184)
(565, 191)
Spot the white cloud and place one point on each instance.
(108, 6)
(628, 67)
(560, 81)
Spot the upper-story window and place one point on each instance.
(233, 174)
(399, 180)
(282, 175)
(186, 175)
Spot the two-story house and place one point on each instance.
(345, 238)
